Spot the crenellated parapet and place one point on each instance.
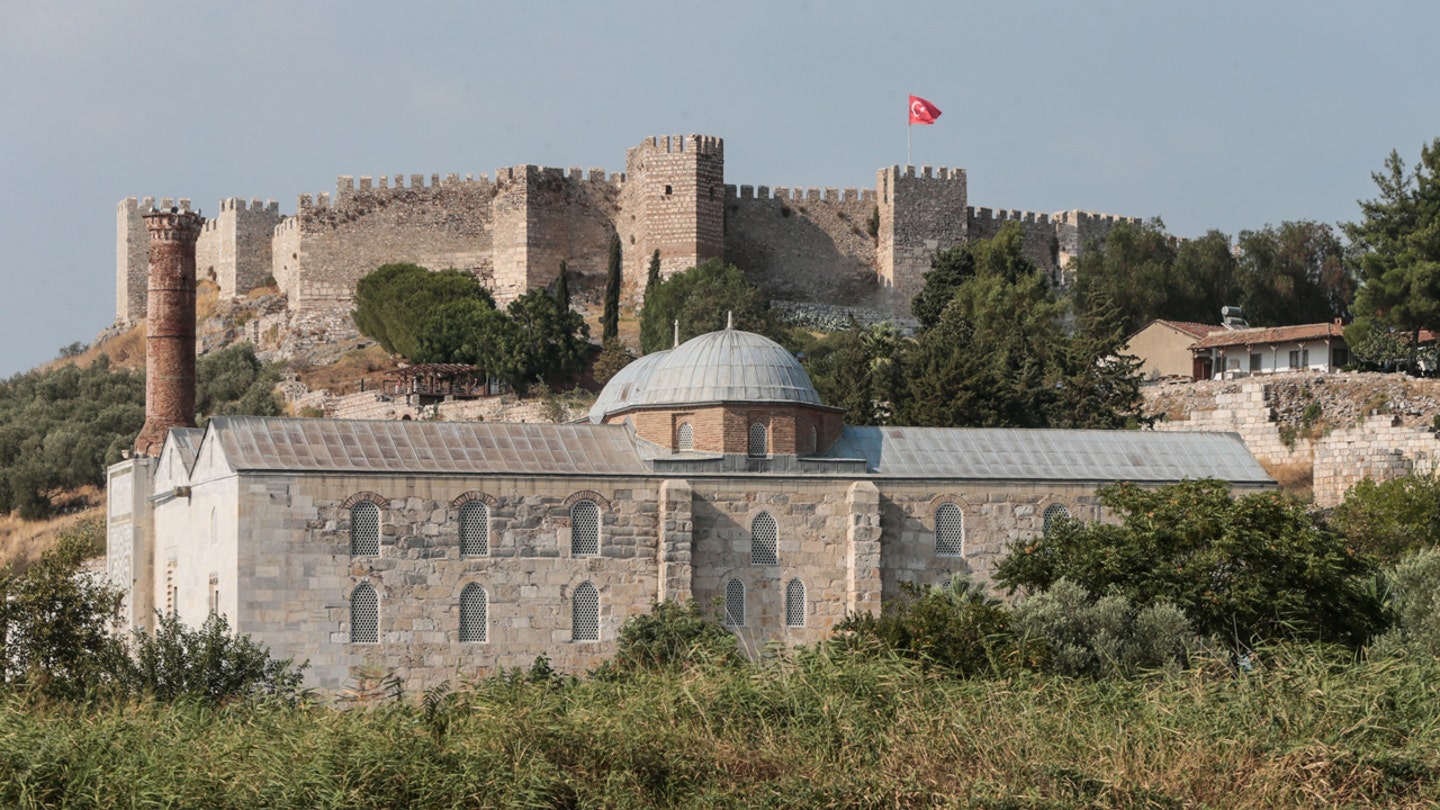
(920, 212)
(675, 192)
(810, 194)
(132, 254)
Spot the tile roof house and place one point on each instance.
(1233, 353)
(1164, 347)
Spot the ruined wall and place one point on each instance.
(919, 215)
(1075, 227)
(445, 224)
(807, 244)
(1381, 448)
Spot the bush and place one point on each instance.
(673, 636)
(1392, 518)
(1412, 589)
(1066, 631)
(954, 626)
(210, 663)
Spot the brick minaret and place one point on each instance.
(169, 327)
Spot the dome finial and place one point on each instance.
(729, 319)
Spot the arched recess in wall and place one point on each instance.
(474, 614)
(735, 603)
(585, 522)
(363, 524)
(364, 615)
(764, 540)
(585, 613)
(795, 603)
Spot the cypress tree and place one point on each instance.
(653, 279)
(610, 318)
(562, 288)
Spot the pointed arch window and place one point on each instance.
(734, 603)
(474, 614)
(685, 437)
(585, 614)
(364, 614)
(949, 530)
(795, 603)
(364, 529)
(758, 446)
(764, 536)
(474, 529)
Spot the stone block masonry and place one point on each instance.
(855, 247)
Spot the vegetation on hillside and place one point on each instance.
(703, 299)
(449, 317)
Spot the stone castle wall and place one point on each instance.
(867, 247)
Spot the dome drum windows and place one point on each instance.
(949, 531)
(758, 444)
(685, 437)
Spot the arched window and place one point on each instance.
(763, 536)
(214, 525)
(585, 614)
(474, 614)
(949, 530)
(364, 614)
(685, 437)
(795, 603)
(474, 529)
(814, 439)
(364, 529)
(734, 603)
(1055, 512)
(584, 529)
(758, 445)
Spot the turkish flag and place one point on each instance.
(922, 111)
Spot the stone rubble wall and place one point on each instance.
(1344, 427)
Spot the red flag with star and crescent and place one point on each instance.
(922, 111)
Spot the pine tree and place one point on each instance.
(610, 318)
(562, 288)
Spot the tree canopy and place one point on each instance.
(700, 298)
(399, 306)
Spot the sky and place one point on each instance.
(1216, 115)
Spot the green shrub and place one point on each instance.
(672, 637)
(210, 663)
(1064, 630)
(1412, 588)
(953, 626)
(1392, 518)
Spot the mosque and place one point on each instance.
(711, 471)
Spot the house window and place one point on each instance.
(685, 437)
(1055, 512)
(474, 614)
(364, 615)
(734, 603)
(763, 537)
(949, 531)
(585, 614)
(1340, 356)
(1255, 362)
(474, 529)
(1300, 358)
(584, 529)
(758, 446)
(364, 529)
(795, 603)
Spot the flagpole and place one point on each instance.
(908, 127)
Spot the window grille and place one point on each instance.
(584, 529)
(1255, 359)
(814, 440)
(585, 614)
(474, 529)
(685, 437)
(795, 604)
(763, 536)
(364, 529)
(949, 530)
(758, 446)
(1055, 512)
(735, 603)
(364, 615)
(474, 610)
(214, 525)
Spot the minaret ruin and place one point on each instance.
(169, 327)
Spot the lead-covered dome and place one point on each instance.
(618, 393)
(726, 366)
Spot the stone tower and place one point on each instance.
(919, 214)
(680, 183)
(170, 326)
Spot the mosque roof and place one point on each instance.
(724, 366)
(1049, 455)
(255, 443)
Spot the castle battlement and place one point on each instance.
(924, 173)
(1079, 217)
(254, 205)
(1003, 215)
(696, 144)
(811, 194)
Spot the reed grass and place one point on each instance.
(817, 729)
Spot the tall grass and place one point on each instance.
(816, 730)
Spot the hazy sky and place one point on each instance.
(1210, 115)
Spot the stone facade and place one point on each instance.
(866, 247)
